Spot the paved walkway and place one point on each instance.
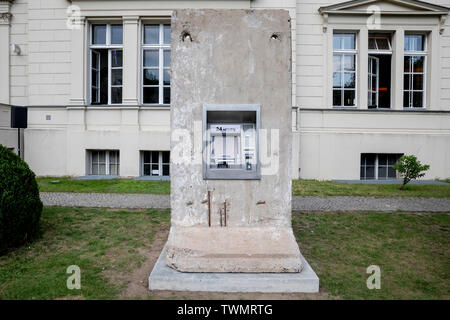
(106, 200)
(123, 200)
(370, 204)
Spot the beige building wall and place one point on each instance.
(8, 136)
(50, 75)
(331, 140)
(62, 126)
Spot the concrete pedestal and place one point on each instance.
(166, 278)
(233, 249)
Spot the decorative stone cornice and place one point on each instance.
(414, 7)
(130, 19)
(5, 18)
(411, 8)
(442, 24)
(5, 15)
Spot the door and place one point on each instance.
(373, 84)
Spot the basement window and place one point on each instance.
(155, 163)
(230, 148)
(103, 162)
(376, 166)
(106, 71)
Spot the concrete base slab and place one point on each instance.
(163, 277)
(233, 249)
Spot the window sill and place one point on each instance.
(153, 178)
(414, 109)
(403, 110)
(121, 107)
(154, 106)
(111, 106)
(344, 108)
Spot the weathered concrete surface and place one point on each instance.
(230, 57)
(236, 249)
(166, 278)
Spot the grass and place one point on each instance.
(65, 184)
(412, 250)
(299, 188)
(105, 245)
(330, 188)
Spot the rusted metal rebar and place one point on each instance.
(209, 208)
(225, 212)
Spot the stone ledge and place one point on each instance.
(163, 277)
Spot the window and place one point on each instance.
(155, 163)
(103, 162)
(106, 63)
(231, 142)
(379, 71)
(156, 64)
(373, 85)
(414, 75)
(378, 166)
(344, 70)
(380, 43)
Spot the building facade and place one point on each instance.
(370, 82)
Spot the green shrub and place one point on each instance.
(20, 205)
(410, 168)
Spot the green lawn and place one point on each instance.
(299, 188)
(330, 188)
(105, 244)
(52, 184)
(412, 250)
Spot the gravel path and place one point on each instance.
(107, 200)
(124, 200)
(370, 204)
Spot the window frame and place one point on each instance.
(411, 73)
(377, 50)
(161, 47)
(371, 53)
(377, 165)
(97, 71)
(344, 52)
(231, 174)
(107, 162)
(160, 163)
(108, 46)
(370, 75)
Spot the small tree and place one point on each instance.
(410, 168)
(20, 205)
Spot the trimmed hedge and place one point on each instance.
(20, 205)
